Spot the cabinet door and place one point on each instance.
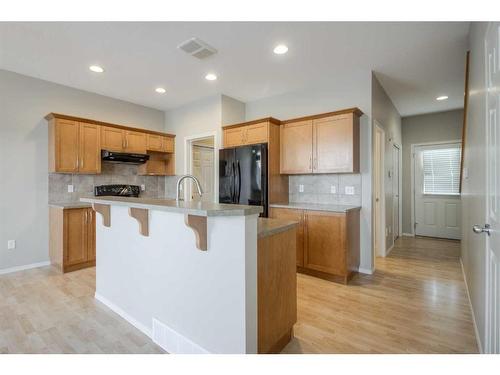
(294, 215)
(75, 236)
(233, 137)
(155, 142)
(135, 142)
(256, 133)
(296, 147)
(66, 145)
(112, 139)
(90, 148)
(333, 144)
(168, 144)
(91, 235)
(325, 242)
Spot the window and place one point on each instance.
(441, 167)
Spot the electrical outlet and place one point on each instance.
(143, 187)
(349, 190)
(11, 244)
(333, 189)
(71, 188)
(301, 188)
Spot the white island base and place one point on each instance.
(186, 299)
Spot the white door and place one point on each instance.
(492, 45)
(203, 169)
(379, 217)
(395, 191)
(436, 190)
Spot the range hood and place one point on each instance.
(123, 157)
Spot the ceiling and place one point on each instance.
(415, 62)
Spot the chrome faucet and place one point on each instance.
(198, 186)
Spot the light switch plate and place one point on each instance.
(349, 190)
(143, 187)
(333, 189)
(301, 188)
(71, 189)
(11, 244)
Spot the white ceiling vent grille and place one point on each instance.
(197, 48)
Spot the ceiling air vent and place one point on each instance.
(197, 48)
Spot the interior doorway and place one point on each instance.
(378, 191)
(201, 162)
(396, 190)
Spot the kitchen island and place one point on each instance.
(185, 273)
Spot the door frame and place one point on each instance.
(381, 235)
(412, 171)
(188, 149)
(400, 195)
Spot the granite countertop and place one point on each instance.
(268, 227)
(75, 204)
(171, 205)
(316, 206)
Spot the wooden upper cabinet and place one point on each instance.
(89, 148)
(327, 143)
(155, 142)
(257, 133)
(241, 134)
(325, 247)
(168, 144)
(296, 147)
(234, 137)
(336, 144)
(112, 139)
(135, 142)
(63, 145)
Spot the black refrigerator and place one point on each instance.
(243, 176)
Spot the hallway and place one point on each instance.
(415, 302)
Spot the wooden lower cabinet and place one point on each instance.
(327, 242)
(72, 238)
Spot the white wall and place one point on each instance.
(473, 188)
(348, 92)
(431, 127)
(23, 155)
(388, 117)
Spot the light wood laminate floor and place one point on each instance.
(414, 303)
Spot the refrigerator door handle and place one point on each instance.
(239, 180)
(233, 184)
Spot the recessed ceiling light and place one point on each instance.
(210, 77)
(96, 68)
(443, 97)
(160, 90)
(280, 49)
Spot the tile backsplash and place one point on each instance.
(110, 174)
(318, 189)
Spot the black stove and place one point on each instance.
(117, 190)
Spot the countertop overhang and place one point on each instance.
(268, 227)
(171, 205)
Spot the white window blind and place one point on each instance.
(442, 170)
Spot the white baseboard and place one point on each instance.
(388, 251)
(478, 339)
(173, 342)
(365, 271)
(5, 271)
(407, 234)
(141, 327)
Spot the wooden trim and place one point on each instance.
(464, 126)
(142, 217)
(356, 111)
(272, 120)
(199, 226)
(105, 211)
(53, 115)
